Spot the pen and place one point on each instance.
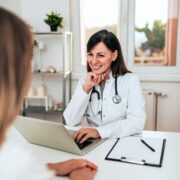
(152, 149)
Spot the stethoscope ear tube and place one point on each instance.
(116, 92)
(95, 91)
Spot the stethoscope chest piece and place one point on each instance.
(116, 99)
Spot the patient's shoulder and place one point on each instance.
(16, 162)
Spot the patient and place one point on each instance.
(15, 76)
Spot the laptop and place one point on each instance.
(52, 135)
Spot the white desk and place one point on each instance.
(110, 170)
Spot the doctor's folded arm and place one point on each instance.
(114, 105)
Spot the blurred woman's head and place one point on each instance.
(15, 67)
(104, 44)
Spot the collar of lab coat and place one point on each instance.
(110, 75)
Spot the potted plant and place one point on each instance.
(54, 20)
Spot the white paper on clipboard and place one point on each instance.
(131, 148)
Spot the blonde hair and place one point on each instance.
(15, 67)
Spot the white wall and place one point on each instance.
(34, 12)
(168, 106)
(13, 5)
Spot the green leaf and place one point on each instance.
(55, 19)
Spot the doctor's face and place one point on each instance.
(100, 58)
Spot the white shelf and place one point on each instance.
(45, 98)
(64, 72)
(36, 97)
(48, 33)
(48, 73)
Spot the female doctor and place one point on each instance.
(110, 97)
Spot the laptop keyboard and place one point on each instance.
(84, 144)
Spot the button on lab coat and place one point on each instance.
(111, 120)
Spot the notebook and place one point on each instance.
(138, 150)
(52, 135)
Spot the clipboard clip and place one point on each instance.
(131, 160)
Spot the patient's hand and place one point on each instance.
(83, 174)
(85, 133)
(66, 167)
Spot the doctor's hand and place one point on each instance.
(85, 133)
(93, 79)
(67, 167)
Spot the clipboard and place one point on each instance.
(133, 150)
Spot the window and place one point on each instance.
(153, 38)
(96, 15)
(155, 32)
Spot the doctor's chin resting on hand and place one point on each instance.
(109, 97)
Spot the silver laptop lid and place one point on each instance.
(50, 134)
(45, 133)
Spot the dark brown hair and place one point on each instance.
(118, 66)
(15, 67)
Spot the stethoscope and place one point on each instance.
(116, 98)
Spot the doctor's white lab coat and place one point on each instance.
(111, 120)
